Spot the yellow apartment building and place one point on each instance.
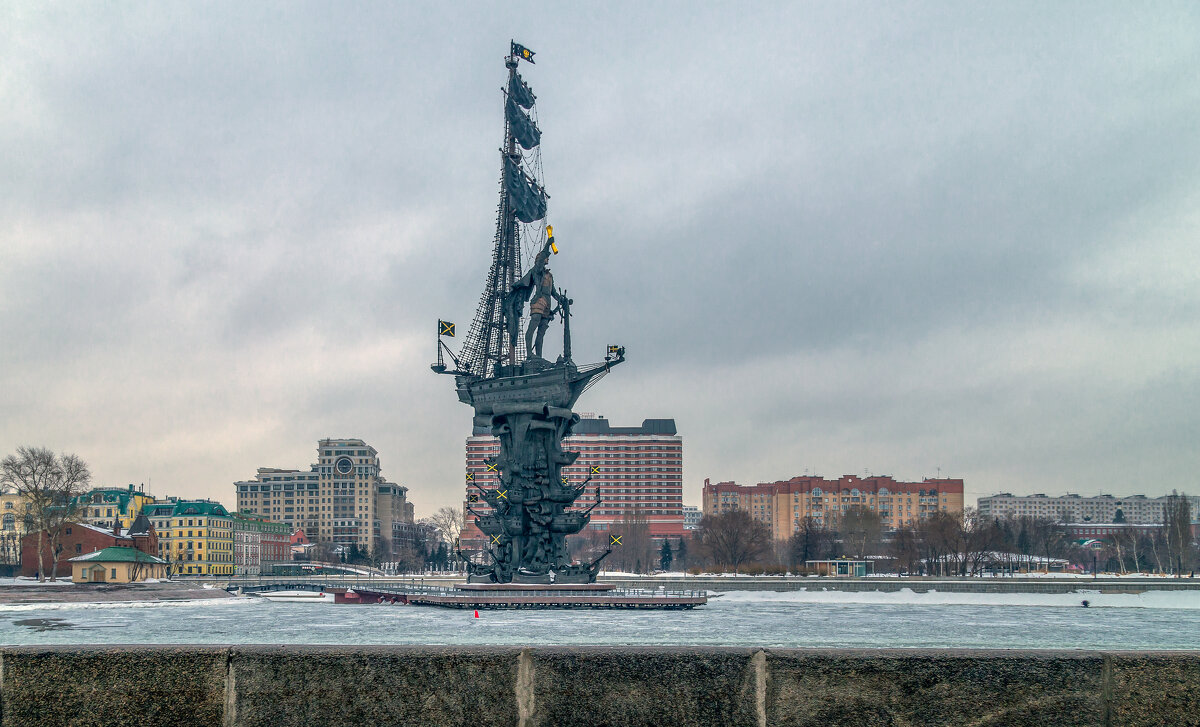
(103, 505)
(195, 537)
(13, 510)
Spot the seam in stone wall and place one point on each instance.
(524, 689)
(230, 711)
(1106, 694)
(759, 662)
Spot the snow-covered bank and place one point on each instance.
(23, 581)
(1095, 599)
(93, 605)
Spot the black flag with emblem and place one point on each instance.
(521, 51)
(445, 328)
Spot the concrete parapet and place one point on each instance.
(918, 584)
(262, 686)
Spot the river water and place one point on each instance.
(1150, 621)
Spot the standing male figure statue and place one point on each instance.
(540, 283)
(514, 300)
(539, 308)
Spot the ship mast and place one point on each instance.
(488, 345)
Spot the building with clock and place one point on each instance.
(342, 499)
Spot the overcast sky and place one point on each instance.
(834, 238)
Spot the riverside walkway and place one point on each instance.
(719, 584)
(355, 588)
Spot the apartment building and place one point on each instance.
(14, 512)
(259, 543)
(1070, 508)
(343, 498)
(103, 505)
(782, 505)
(639, 469)
(194, 536)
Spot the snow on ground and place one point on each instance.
(1016, 576)
(93, 605)
(1149, 599)
(22, 581)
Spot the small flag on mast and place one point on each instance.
(521, 51)
(445, 328)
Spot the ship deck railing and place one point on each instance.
(408, 586)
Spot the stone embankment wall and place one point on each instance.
(783, 584)
(920, 585)
(262, 686)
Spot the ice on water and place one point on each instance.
(1155, 620)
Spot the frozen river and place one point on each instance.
(1154, 620)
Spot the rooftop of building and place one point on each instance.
(600, 425)
(174, 507)
(1072, 496)
(118, 554)
(873, 483)
(345, 442)
(127, 489)
(112, 495)
(140, 527)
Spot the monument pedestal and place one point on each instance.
(567, 595)
(519, 587)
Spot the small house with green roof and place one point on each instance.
(117, 564)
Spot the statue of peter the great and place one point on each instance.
(540, 283)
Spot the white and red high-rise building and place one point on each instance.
(636, 469)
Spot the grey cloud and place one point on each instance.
(234, 226)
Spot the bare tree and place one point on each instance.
(981, 538)
(811, 541)
(1177, 529)
(733, 538)
(861, 529)
(1122, 540)
(52, 485)
(905, 548)
(141, 565)
(1047, 537)
(942, 535)
(1157, 545)
(635, 551)
(448, 521)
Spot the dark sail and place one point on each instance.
(527, 200)
(489, 340)
(523, 129)
(520, 92)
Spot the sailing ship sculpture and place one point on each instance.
(519, 395)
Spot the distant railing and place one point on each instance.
(391, 586)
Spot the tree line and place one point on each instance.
(944, 544)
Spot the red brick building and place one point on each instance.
(639, 469)
(781, 505)
(81, 539)
(1107, 531)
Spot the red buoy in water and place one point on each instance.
(476, 614)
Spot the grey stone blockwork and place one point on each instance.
(262, 686)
